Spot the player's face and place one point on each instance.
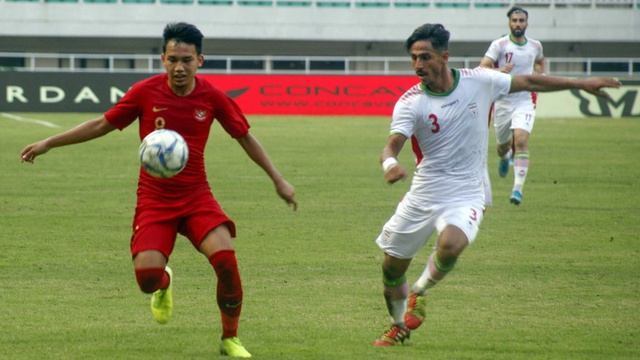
(181, 62)
(518, 24)
(429, 64)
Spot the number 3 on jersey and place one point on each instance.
(435, 127)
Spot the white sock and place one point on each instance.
(429, 278)
(520, 169)
(396, 300)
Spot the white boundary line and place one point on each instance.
(35, 121)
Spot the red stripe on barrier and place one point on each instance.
(314, 94)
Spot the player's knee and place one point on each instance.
(521, 146)
(394, 268)
(450, 250)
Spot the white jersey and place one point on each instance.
(449, 134)
(523, 57)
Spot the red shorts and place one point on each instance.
(156, 225)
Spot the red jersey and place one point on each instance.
(157, 107)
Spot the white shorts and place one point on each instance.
(411, 226)
(505, 121)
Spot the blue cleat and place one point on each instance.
(503, 167)
(516, 197)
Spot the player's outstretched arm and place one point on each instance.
(256, 152)
(542, 83)
(84, 132)
(594, 85)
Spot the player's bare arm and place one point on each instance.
(256, 152)
(84, 132)
(487, 62)
(541, 83)
(540, 66)
(393, 171)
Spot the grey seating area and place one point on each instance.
(308, 35)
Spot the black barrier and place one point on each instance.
(63, 92)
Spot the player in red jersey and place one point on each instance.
(184, 204)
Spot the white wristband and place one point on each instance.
(388, 163)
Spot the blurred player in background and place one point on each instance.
(445, 116)
(514, 114)
(180, 101)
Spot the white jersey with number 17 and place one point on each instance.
(523, 57)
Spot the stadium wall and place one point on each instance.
(280, 94)
(98, 26)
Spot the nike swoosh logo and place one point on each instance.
(237, 92)
(232, 306)
(155, 109)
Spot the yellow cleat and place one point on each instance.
(162, 301)
(233, 347)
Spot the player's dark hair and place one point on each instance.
(182, 32)
(434, 33)
(517, 10)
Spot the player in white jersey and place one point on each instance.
(445, 116)
(515, 53)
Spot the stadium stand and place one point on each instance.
(372, 3)
(375, 3)
(452, 3)
(346, 29)
(412, 3)
(333, 3)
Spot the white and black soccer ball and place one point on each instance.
(163, 153)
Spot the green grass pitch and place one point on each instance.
(555, 278)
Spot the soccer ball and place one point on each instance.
(163, 153)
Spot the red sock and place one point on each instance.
(229, 290)
(152, 279)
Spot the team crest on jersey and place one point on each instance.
(200, 115)
(473, 109)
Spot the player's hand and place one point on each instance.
(594, 86)
(395, 173)
(287, 192)
(30, 152)
(507, 68)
